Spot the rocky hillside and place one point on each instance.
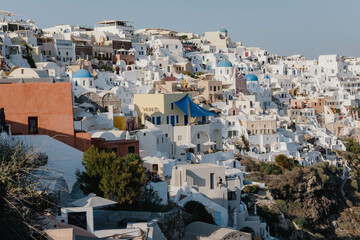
(307, 202)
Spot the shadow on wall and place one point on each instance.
(79, 140)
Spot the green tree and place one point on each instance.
(22, 207)
(106, 174)
(28, 55)
(283, 161)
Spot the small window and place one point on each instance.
(212, 180)
(198, 135)
(90, 82)
(33, 125)
(131, 149)
(177, 118)
(84, 83)
(172, 106)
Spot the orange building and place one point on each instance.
(42, 108)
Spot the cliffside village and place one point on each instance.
(188, 104)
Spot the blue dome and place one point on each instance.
(251, 78)
(82, 73)
(223, 30)
(224, 63)
(266, 77)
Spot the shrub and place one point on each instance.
(352, 146)
(270, 168)
(282, 206)
(198, 212)
(282, 161)
(354, 184)
(251, 189)
(301, 221)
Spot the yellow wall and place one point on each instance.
(155, 105)
(120, 122)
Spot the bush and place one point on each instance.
(352, 146)
(250, 189)
(354, 184)
(282, 206)
(301, 221)
(282, 161)
(270, 168)
(186, 73)
(198, 212)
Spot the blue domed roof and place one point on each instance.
(82, 73)
(251, 78)
(224, 63)
(266, 77)
(223, 30)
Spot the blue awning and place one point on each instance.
(191, 109)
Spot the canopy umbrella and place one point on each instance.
(209, 143)
(92, 201)
(187, 145)
(191, 109)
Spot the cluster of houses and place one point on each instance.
(184, 102)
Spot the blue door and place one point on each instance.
(158, 120)
(153, 120)
(173, 120)
(217, 218)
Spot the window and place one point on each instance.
(153, 120)
(33, 125)
(177, 119)
(59, 53)
(75, 83)
(167, 120)
(198, 136)
(90, 83)
(176, 46)
(84, 83)
(158, 120)
(22, 71)
(231, 195)
(172, 106)
(131, 149)
(212, 180)
(67, 53)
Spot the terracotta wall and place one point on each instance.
(122, 146)
(51, 103)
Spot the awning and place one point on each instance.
(191, 109)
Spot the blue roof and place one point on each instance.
(224, 63)
(223, 30)
(82, 73)
(186, 104)
(251, 78)
(266, 77)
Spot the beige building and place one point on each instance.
(258, 125)
(212, 90)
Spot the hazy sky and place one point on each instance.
(285, 27)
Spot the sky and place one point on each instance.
(283, 27)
